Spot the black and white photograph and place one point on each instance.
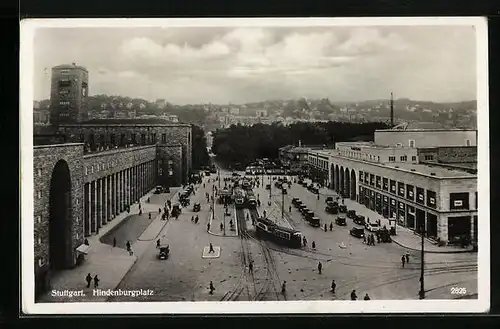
(256, 165)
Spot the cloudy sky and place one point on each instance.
(226, 64)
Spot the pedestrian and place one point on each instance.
(403, 261)
(221, 227)
(353, 295)
(86, 242)
(373, 239)
(334, 285)
(378, 238)
(114, 242)
(149, 199)
(304, 241)
(250, 267)
(158, 243)
(192, 219)
(320, 267)
(342, 200)
(149, 215)
(196, 219)
(313, 245)
(331, 226)
(364, 239)
(128, 245)
(366, 297)
(211, 248)
(96, 281)
(130, 252)
(208, 227)
(318, 196)
(283, 288)
(407, 256)
(88, 278)
(159, 210)
(211, 287)
(289, 208)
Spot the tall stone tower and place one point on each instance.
(69, 94)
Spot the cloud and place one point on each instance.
(221, 65)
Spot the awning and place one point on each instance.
(84, 249)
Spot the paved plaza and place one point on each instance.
(186, 274)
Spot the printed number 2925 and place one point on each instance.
(458, 290)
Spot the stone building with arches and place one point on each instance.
(392, 181)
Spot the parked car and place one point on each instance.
(303, 208)
(294, 201)
(314, 221)
(268, 186)
(372, 227)
(298, 204)
(357, 232)
(343, 208)
(309, 214)
(340, 221)
(360, 220)
(329, 199)
(351, 214)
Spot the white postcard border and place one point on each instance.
(29, 306)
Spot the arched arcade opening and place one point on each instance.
(347, 190)
(60, 220)
(353, 185)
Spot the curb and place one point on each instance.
(432, 252)
(219, 234)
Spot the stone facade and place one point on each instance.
(45, 159)
(111, 134)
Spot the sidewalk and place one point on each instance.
(220, 218)
(404, 237)
(110, 263)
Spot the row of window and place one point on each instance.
(360, 155)
(124, 139)
(318, 162)
(410, 192)
(100, 166)
(458, 201)
(64, 103)
(402, 158)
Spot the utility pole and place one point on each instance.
(422, 291)
(282, 204)
(213, 202)
(218, 176)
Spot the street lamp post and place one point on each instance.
(422, 291)
(218, 176)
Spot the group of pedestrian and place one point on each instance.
(369, 239)
(89, 279)
(355, 297)
(195, 219)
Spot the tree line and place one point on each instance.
(244, 144)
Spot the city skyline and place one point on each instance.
(222, 65)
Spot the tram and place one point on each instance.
(251, 200)
(282, 235)
(239, 198)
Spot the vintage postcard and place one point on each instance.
(279, 166)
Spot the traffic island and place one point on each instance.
(214, 254)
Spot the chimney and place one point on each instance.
(392, 111)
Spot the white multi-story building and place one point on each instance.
(388, 177)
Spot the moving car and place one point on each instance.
(360, 220)
(196, 207)
(164, 252)
(372, 227)
(357, 232)
(340, 221)
(342, 208)
(176, 210)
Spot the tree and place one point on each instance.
(200, 155)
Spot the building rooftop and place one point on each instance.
(426, 130)
(69, 66)
(429, 170)
(135, 121)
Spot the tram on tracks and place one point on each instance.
(268, 229)
(251, 199)
(239, 198)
